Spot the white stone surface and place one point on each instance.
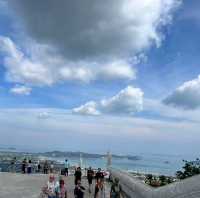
(188, 188)
(29, 186)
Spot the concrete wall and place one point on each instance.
(134, 188)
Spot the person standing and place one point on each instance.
(46, 167)
(39, 167)
(24, 166)
(99, 175)
(77, 175)
(13, 165)
(49, 189)
(66, 165)
(79, 190)
(51, 167)
(90, 175)
(115, 191)
(61, 190)
(29, 168)
(99, 189)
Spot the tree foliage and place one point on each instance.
(189, 169)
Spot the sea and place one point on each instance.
(157, 164)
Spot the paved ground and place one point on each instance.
(29, 186)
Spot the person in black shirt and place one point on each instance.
(38, 167)
(24, 166)
(99, 182)
(79, 190)
(46, 167)
(77, 175)
(99, 175)
(13, 164)
(90, 174)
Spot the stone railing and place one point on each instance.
(134, 188)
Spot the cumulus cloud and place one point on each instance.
(186, 96)
(117, 70)
(21, 90)
(94, 28)
(91, 40)
(42, 66)
(90, 108)
(127, 101)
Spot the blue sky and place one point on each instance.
(125, 72)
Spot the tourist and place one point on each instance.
(39, 167)
(24, 166)
(61, 190)
(99, 189)
(51, 167)
(99, 180)
(29, 167)
(13, 165)
(79, 190)
(66, 165)
(46, 167)
(77, 175)
(49, 189)
(90, 174)
(115, 191)
(99, 175)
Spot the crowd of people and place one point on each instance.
(58, 189)
(28, 167)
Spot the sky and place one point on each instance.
(94, 76)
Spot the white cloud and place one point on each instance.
(21, 90)
(83, 41)
(21, 69)
(186, 96)
(91, 29)
(43, 115)
(42, 66)
(90, 108)
(157, 109)
(127, 101)
(117, 70)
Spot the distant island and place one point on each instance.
(8, 148)
(71, 154)
(10, 152)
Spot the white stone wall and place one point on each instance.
(188, 188)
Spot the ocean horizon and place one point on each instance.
(148, 164)
(165, 164)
